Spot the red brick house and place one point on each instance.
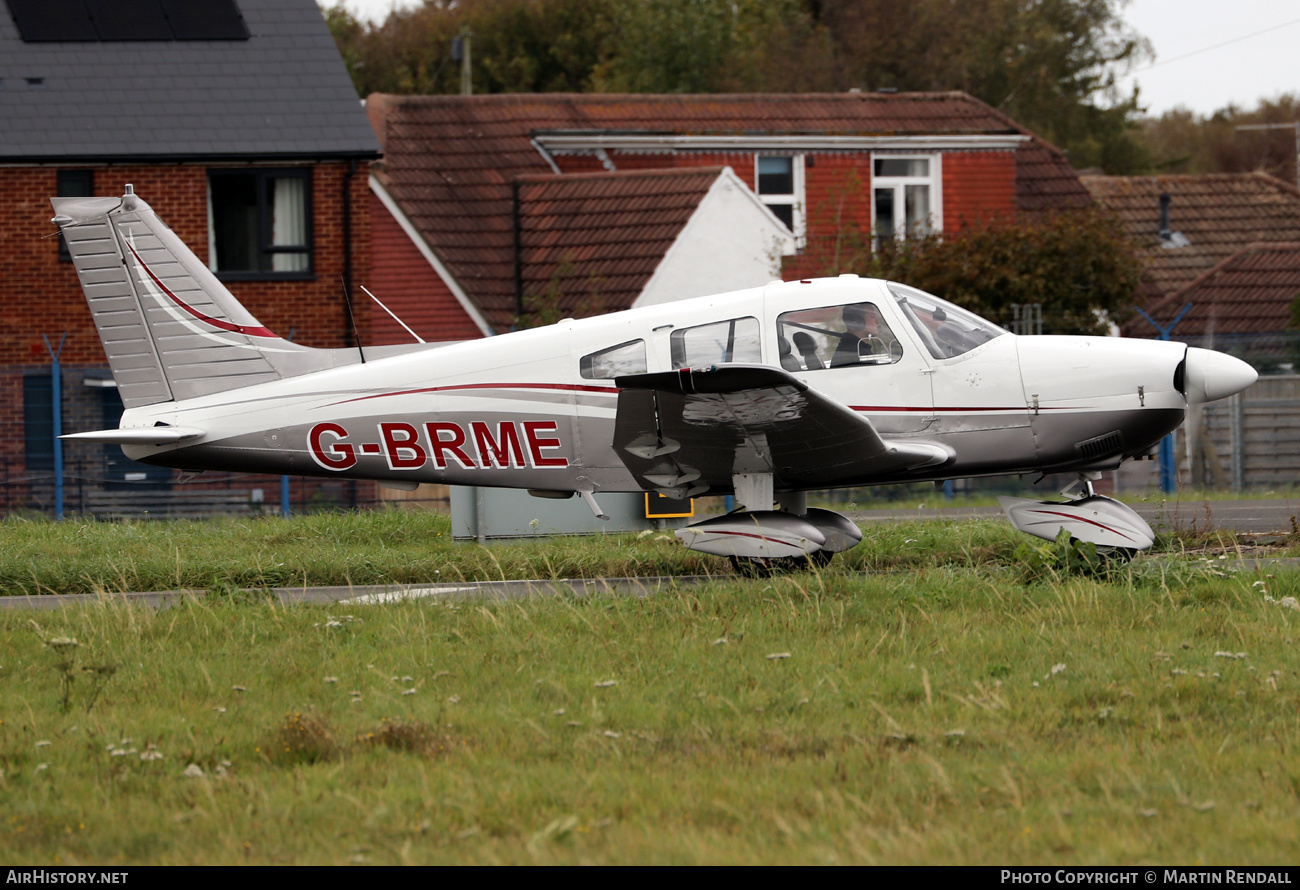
(236, 121)
(457, 174)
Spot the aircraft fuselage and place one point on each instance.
(536, 409)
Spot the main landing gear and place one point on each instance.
(762, 542)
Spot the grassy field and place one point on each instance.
(42, 557)
(940, 697)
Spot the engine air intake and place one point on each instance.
(1101, 446)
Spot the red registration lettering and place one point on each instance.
(505, 448)
(402, 446)
(536, 443)
(452, 444)
(335, 455)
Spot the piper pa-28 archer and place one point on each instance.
(764, 393)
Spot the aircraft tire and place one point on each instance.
(759, 567)
(1117, 556)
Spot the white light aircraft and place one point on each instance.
(765, 393)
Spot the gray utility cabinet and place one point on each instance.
(499, 513)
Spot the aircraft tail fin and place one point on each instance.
(171, 329)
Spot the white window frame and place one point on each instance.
(899, 183)
(794, 200)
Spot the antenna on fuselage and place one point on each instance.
(405, 326)
(352, 320)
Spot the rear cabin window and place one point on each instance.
(836, 337)
(625, 358)
(733, 340)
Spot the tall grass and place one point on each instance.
(941, 713)
(39, 557)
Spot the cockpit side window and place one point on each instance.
(625, 358)
(836, 337)
(946, 330)
(733, 340)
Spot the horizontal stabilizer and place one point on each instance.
(145, 435)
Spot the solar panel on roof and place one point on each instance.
(46, 20)
(128, 20)
(109, 21)
(205, 19)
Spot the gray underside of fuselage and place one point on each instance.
(1048, 442)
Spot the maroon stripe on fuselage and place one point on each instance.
(887, 409)
(562, 387)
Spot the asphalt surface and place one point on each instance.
(1266, 518)
(386, 593)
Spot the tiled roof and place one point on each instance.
(590, 241)
(450, 160)
(282, 93)
(1250, 292)
(1219, 213)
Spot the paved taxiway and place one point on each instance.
(388, 593)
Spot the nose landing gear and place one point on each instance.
(1115, 528)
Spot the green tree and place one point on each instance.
(1051, 65)
(517, 46)
(710, 46)
(1180, 141)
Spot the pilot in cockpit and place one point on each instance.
(866, 337)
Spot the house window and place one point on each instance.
(905, 197)
(74, 184)
(38, 422)
(780, 187)
(259, 223)
(120, 472)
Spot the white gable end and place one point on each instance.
(731, 242)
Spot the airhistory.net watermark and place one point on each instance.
(63, 876)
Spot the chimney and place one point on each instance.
(1168, 237)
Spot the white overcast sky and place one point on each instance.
(1208, 52)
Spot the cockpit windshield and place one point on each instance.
(946, 330)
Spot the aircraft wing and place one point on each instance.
(679, 431)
